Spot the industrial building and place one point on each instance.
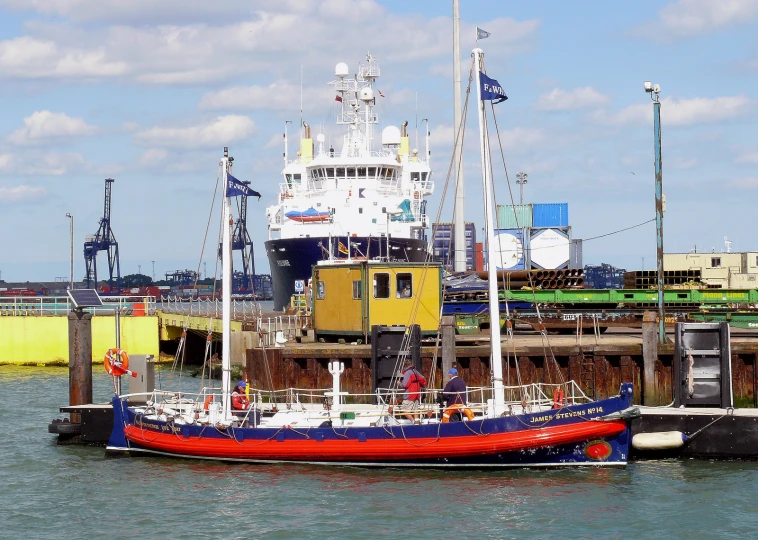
(721, 270)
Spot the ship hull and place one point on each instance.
(292, 259)
(587, 434)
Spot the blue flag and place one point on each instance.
(235, 187)
(481, 34)
(491, 90)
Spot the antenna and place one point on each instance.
(728, 244)
(301, 100)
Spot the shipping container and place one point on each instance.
(512, 253)
(479, 266)
(576, 254)
(443, 244)
(514, 217)
(550, 248)
(550, 215)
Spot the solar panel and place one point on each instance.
(84, 298)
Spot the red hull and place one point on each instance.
(373, 450)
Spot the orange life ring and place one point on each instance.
(207, 403)
(455, 408)
(116, 362)
(559, 399)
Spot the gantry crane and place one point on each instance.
(104, 240)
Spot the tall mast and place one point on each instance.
(496, 355)
(226, 275)
(460, 217)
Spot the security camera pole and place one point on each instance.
(654, 90)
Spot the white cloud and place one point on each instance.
(578, 98)
(690, 18)
(280, 95)
(215, 133)
(750, 182)
(57, 164)
(520, 138)
(152, 157)
(679, 112)
(10, 195)
(49, 127)
(748, 157)
(6, 160)
(30, 58)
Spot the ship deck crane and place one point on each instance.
(103, 240)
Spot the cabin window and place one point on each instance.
(404, 285)
(320, 290)
(424, 176)
(340, 172)
(357, 288)
(360, 210)
(381, 285)
(715, 262)
(361, 172)
(296, 178)
(351, 172)
(372, 172)
(330, 172)
(288, 177)
(414, 177)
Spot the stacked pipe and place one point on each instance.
(538, 279)
(647, 279)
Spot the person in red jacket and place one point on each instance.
(413, 382)
(239, 399)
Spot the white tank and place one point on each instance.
(390, 136)
(511, 250)
(341, 70)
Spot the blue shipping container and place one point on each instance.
(550, 215)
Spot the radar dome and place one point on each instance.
(390, 136)
(341, 70)
(366, 94)
(320, 137)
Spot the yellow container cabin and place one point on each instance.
(350, 297)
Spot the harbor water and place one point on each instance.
(51, 491)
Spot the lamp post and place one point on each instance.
(153, 270)
(71, 231)
(654, 90)
(521, 180)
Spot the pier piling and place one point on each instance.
(79, 360)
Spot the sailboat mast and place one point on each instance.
(459, 230)
(496, 356)
(226, 303)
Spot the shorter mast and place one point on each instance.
(226, 298)
(496, 355)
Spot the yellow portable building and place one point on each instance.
(350, 297)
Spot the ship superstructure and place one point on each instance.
(354, 201)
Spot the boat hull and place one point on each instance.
(292, 259)
(588, 434)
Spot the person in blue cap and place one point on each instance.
(239, 399)
(455, 397)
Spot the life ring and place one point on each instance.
(416, 194)
(559, 399)
(455, 408)
(116, 362)
(207, 403)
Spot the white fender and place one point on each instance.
(661, 440)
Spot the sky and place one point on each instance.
(149, 93)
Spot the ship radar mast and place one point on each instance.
(357, 100)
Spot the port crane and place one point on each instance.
(103, 240)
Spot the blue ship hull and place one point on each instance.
(292, 259)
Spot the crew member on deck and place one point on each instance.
(239, 399)
(455, 397)
(413, 382)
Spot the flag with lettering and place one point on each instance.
(481, 34)
(491, 90)
(236, 187)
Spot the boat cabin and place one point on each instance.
(350, 297)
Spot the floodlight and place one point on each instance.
(657, 88)
(648, 86)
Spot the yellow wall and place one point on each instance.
(44, 340)
(423, 308)
(338, 311)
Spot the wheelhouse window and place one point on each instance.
(320, 290)
(381, 285)
(357, 289)
(404, 285)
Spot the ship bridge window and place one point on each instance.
(381, 285)
(330, 172)
(288, 177)
(372, 174)
(404, 285)
(415, 177)
(350, 172)
(424, 176)
(296, 178)
(362, 172)
(339, 172)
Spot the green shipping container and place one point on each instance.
(508, 215)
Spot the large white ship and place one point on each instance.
(355, 201)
